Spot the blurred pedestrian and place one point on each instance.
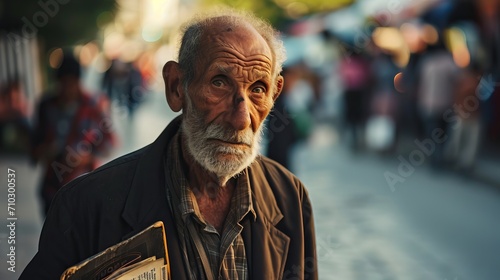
(382, 124)
(70, 133)
(123, 83)
(490, 27)
(356, 80)
(485, 15)
(465, 131)
(14, 125)
(281, 128)
(439, 75)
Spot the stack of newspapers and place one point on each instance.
(144, 256)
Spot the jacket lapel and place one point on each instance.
(269, 244)
(147, 197)
(147, 201)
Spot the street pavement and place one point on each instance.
(429, 225)
(434, 225)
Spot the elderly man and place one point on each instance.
(228, 212)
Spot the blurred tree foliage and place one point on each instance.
(267, 9)
(56, 22)
(281, 12)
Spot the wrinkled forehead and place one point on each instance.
(237, 36)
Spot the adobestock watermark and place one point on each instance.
(427, 147)
(278, 122)
(39, 19)
(75, 155)
(325, 248)
(301, 271)
(416, 157)
(11, 219)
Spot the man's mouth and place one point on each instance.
(230, 142)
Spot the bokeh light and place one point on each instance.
(456, 42)
(55, 58)
(88, 53)
(430, 34)
(398, 82)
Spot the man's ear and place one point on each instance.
(280, 81)
(173, 87)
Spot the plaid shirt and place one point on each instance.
(225, 251)
(84, 129)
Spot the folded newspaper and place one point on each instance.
(142, 256)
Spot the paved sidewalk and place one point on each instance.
(488, 165)
(431, 226)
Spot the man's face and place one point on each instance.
(231, 94)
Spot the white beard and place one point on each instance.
(209, 153)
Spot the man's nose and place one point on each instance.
(240, 116)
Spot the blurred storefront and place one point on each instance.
(19, 87)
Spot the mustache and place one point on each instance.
(219, 132)
(194, 121)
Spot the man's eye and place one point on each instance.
(259, 90)
(218, 83)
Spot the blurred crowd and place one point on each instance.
(428, 81)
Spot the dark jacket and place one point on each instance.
(123, 197)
